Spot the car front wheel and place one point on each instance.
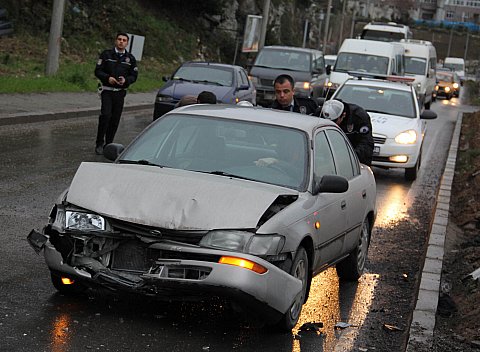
(351, 268)
(299, 270)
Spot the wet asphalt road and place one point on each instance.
(37, 163)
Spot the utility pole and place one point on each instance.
(305, 30)
(340, 40)
(466, 46)
(450, 41)
(321, 18)
(354, 14)
(263, 33)
(327, 24)
(55, 37)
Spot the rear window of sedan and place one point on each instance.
(207, 74)
(260, 152)
(379, 99)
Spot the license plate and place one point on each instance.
(376, 150)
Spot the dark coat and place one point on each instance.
(305, 106)
(358, 128)
(111, 64)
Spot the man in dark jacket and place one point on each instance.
(356, 124)
(284, 86)
(116, 69)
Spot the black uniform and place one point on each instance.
(305, 106)
(358, 128)
(113, 64)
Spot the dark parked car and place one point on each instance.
(306, 66)
(229, 83)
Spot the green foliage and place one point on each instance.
(473, 89)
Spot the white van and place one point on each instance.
(386, 31)
(365, 56)
(421, 63)
(456, 64)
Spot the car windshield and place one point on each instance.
(379, 99)
(446, 77)
(260, 152)
(415, 65)
(205, 74)
(361, 63)
(383, 36)
(454, 67)
(290, 60)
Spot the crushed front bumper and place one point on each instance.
(171, 270)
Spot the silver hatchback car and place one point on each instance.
(240, 202)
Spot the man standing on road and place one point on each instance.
(116, 69)
(356, 124)
(284, 86)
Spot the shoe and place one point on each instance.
(99, 150)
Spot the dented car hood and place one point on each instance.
(171, 198)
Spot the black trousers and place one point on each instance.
(111, 111)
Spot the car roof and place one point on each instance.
(291, 48)
(368, 82)
(256, 114)
(206, 63)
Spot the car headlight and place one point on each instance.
(226, 239)
(243, 241)
(406, 137)
(161, 98)
(253, 79)
(436, 87)
(455, 85)
(302, 85)
(75, 220)
(447, 89)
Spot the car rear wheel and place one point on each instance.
(351, 268)
(75, 288)
(299, 270)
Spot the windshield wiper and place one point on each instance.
(379, 112)
(182, 79)
(227, 174)
(140, 162)
(208, 82)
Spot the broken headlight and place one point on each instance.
(75, 220)
(243, 241)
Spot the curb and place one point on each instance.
(48, 116)
(423, 320)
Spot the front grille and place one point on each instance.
(136, 256)
(379, 140)
(190, 237)
(266, 82)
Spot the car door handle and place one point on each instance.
(343, 204)
(364, 194)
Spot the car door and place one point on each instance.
(244, 89)
(327, 215)
(354, 201)
(318, 75)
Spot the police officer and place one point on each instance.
(116, 69)
(356, 124)
(284, 86)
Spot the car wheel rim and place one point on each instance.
(299, 273)
(363, 247)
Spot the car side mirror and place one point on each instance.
(328, 69)
(113, 150)
(331, 184)
(428, 115)
(165, 78)
(243, 87)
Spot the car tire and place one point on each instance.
(75, 289)
(299, 270)
(412, 172)
(351, 268)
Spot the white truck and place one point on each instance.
(420, 63)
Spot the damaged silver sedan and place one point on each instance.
(239, 202)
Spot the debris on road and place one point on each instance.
(342, 325)
(311, 326)
(390, 327)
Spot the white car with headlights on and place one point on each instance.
(398, 125)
